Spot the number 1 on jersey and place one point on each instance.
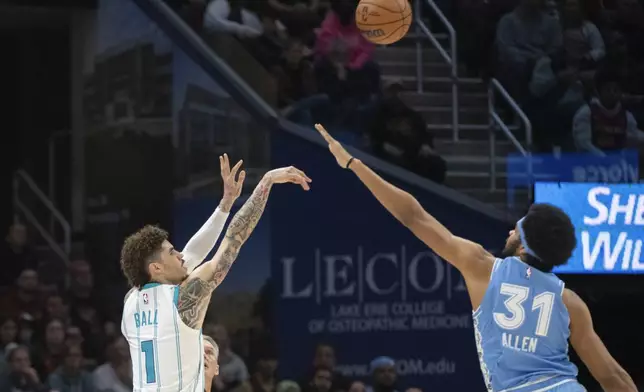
(514, 304)
(147, 347)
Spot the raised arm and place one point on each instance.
(591, 350)
(195, 292)
(465, 255)
(198, 247)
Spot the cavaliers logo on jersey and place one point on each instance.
(146, 300)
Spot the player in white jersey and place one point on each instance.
(164, 312)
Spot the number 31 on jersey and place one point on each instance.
(517, 295)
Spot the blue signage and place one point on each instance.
(348, 274)
(609, 222)
(620, 167)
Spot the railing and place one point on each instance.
(495, 87)
(450, 58)
(21, 178)
(51, 181)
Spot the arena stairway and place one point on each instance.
(468, 160)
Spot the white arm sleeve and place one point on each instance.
(198, 247)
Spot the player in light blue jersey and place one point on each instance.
(164, 312)
(524, 317)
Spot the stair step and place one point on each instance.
(440, 84)
(408, 68)
(473, 179)
(465, 147)
(443, 115)
(406, 53)
(415, 99)
(478, 163)
(496, 196)
(473, 132)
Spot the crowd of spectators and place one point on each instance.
(61, 337)
(576, 67)
(325, 72)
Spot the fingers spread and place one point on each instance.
(233, 172)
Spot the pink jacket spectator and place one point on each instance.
(360, 50)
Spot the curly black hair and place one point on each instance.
(137, 251)
(550, 234)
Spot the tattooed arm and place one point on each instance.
(195, 292)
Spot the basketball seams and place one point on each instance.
(383, 23)
(399, 30)
(380, 6)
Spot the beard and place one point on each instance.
(510, 249)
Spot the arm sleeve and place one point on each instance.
(198, 247)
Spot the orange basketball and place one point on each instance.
(383, 21)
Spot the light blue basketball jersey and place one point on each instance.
(522, 330)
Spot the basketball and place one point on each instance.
(383, 21)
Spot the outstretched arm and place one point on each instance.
(194, 294)
(198, 247)
(591, 350)
(465, 255)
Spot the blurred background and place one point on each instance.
(117, 111)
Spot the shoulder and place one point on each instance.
(582, 112)
(129, 293)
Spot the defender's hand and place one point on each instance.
(341, 155)
(232, 184)
(289, 174)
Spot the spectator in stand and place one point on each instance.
(17, 254)
(384, 376)
(322, 381)
(56, 308)
(583, 43)
(22, 377)
(211, 357)
(50, 353)
(295, 74)
(87, 307)
(299, 16)
(8, 340)
(115, 375)
(264, 378)
(399, 134)
(605, 125)
(522, 37)
(357, 386)
(288, 386)
(234, 17)
(627, 17)
(8, 334)
(70, 377)
(324, 358)
(233, 373)
(24, 298)
(345, 54)
(190, 10)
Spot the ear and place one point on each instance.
(154, 268)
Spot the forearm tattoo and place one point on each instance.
(195, 295)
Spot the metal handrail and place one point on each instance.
(21, 175)
(51, 189)
(496, 122)
(450, 58)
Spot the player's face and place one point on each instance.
(512, 244)
(172, 263)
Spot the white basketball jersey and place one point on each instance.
(167, 355)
